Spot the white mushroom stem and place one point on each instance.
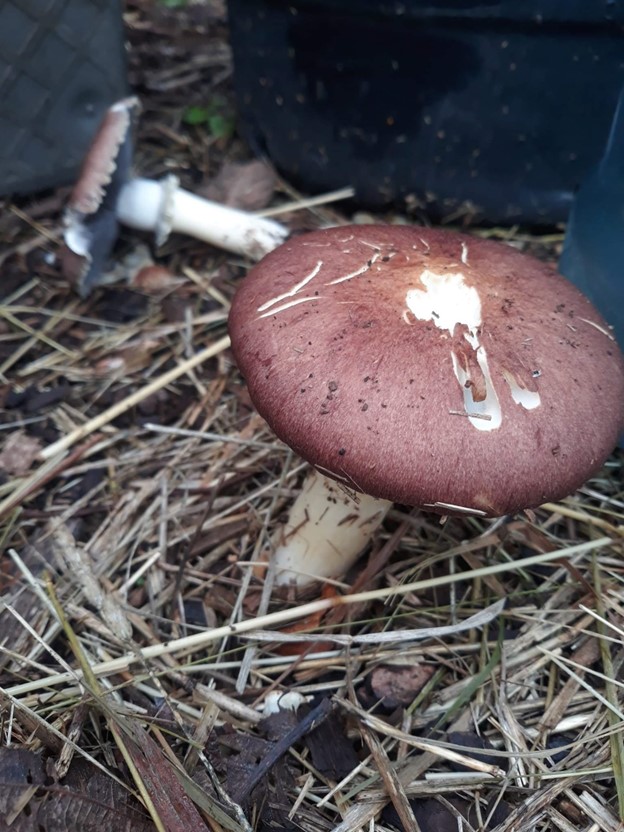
(326, 531)
(163, 207)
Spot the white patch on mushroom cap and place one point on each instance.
(448, 302)
(357, 272)
(485, 414)
(285, 306)
(527, 398)
(294, 290)
(456, 509)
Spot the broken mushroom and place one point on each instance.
(106, 194)
(91, 223)
(423, 367)
(163, 207)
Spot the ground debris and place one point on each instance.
(397, 685)
(169, 487)
(19, 452)
(246, 185)
(448, 815)
(86, 800)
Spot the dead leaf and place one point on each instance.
(173, 806)
(331, 751)
(245, 185)
(447, 814)
(305, 625)
(19, 452)
(269, 798)
(397, 685)
(154, 280)
(241, 765)
(276, 725)
(87, 800)
(136, 356)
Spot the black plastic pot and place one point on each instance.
(62, 64)
(492, 109)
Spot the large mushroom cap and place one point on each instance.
(430, 368)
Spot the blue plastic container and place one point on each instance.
(494, 110)
(593, 254)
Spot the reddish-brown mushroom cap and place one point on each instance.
(103, 158)
(91, 225)
(430, 368)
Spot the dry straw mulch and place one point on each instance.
(138, 645)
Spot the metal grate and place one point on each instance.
(61, 65)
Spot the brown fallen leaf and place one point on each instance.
(268, 800)
(154, 280)
(447, 814)
(86, 800)
(245, 185)
(19, 452)
(397, 685)
(134, 357)
(331, 751)
(306, 625)
(159, 780)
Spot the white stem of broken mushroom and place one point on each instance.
(326, 531)
(163, 207)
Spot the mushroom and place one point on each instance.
(164, 207)
(106, 194)
(422, 367)
(91, 223)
